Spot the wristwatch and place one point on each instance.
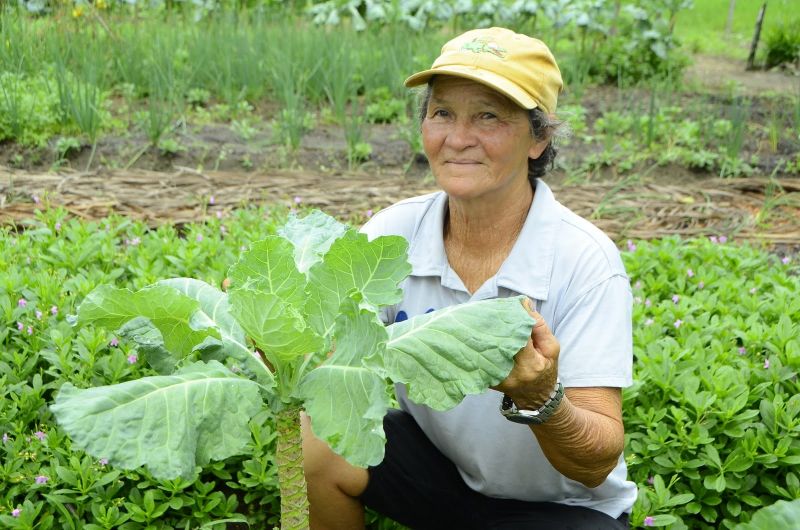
(533, 417)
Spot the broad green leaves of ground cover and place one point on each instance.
(714, 409)
(319, 333)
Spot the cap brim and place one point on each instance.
(492, 80)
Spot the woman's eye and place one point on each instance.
(488, 116)
(441, 113)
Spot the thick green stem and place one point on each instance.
(292, 481)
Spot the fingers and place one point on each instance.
(543, 339)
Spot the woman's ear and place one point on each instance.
(538, 148)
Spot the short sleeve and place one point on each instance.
(596, 336)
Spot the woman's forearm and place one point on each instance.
(582, 443)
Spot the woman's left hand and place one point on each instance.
(535, 368)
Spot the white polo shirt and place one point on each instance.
(574, 274)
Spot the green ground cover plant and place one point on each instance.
(712, 422)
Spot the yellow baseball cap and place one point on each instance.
(518, 66)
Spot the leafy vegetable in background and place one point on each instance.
(308, 299)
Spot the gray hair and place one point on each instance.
(542, 125)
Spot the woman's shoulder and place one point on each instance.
(402, 218)
(580, 241)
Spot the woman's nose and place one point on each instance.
(461, 135)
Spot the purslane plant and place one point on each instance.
(298, 329)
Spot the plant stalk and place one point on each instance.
(292, 480)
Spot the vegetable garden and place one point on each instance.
(145, 142)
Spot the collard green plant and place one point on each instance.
(299, 329)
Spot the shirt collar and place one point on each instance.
(529, 265)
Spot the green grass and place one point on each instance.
(702, 28)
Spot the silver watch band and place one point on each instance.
(533, 417)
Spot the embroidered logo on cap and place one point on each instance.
(478, 45)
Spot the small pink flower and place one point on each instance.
(219, 214)
(648, 322)
(651, 480)
(701, 285)
(742, 350)
(199, 237)
(42, 479)
(637, 285)
(38, 314)
(675, 298)
(369, 214)
(54, 310)
(631, 246)
(678, 323)
(22, 302)
(132, 358)
(766, 364)
(785, 260)
(135, 241)
(713, 239)
(35, 198)
(211, 200)
(649, 521)
(5, 437)
(723, 239)
(30, 330)
(15, 512)
(637, 299)
(20, 326)
(689, 273)
(223, 230)
(297, 199)
(647, 302)
(114, 342)
(40, 435)
(103, 461)
(58, 227)
(753, 290)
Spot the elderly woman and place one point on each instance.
(544, 448)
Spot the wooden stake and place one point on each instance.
(752, 58)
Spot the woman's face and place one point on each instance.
(477, 140)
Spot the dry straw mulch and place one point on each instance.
(754, 209)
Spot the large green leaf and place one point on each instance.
(444, 355)
(269, 267)
(233, 343)
(781, 514)
(176, 317)
(374, 269)
(346, 400)
(311, 237)
(170, 424)
(276, 327)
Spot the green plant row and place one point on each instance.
(712, 422)
(730, 136)
(158, 67)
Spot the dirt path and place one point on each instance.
(723, 73)
(755, 209)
